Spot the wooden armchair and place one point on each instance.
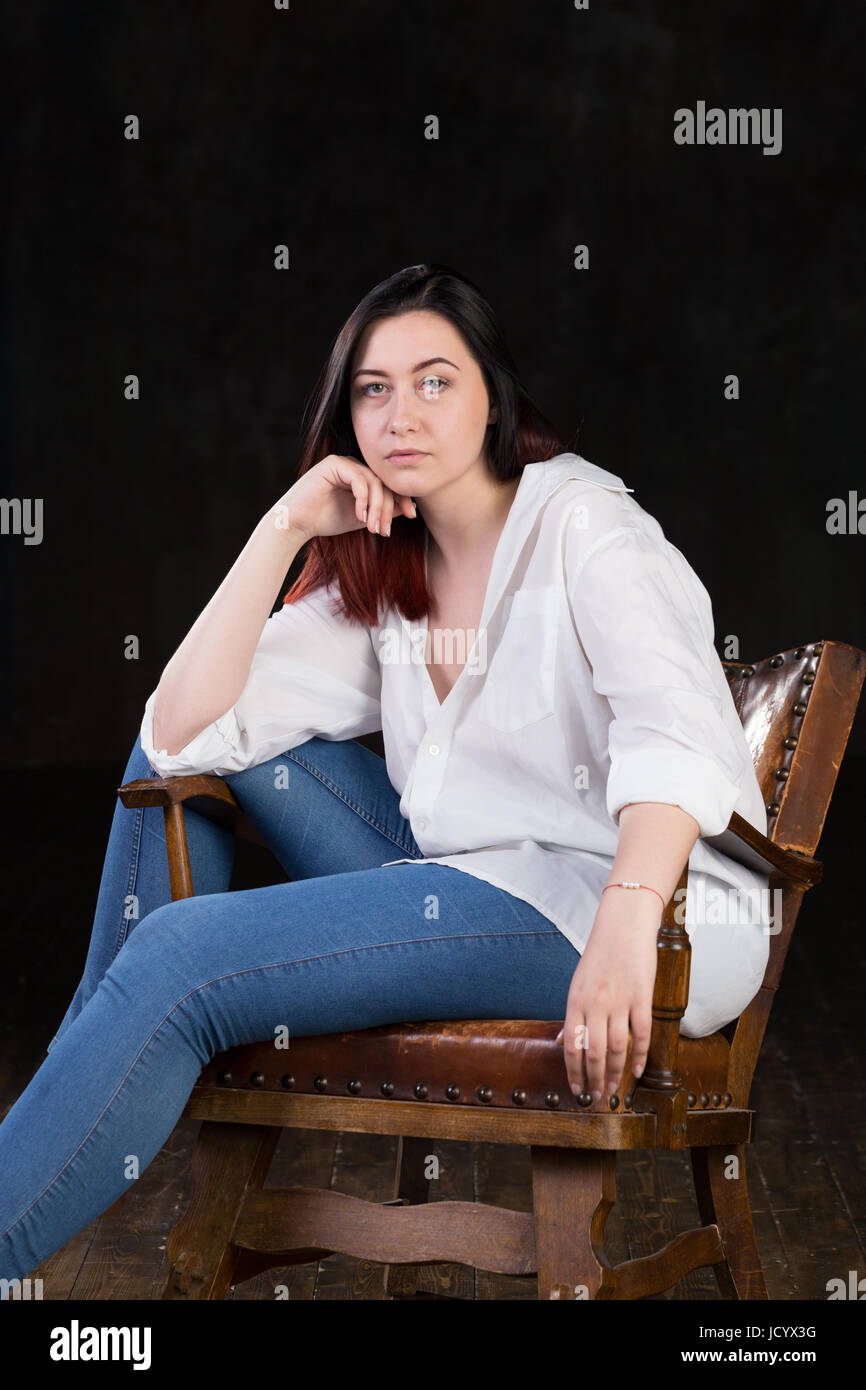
(504, 1081)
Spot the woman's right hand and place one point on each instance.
(332, 497)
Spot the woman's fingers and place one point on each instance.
(383, 511)
(617, 1047)
(596, 1052)
(374, 501)
(573, 1035)
(641, 1032)
(599, 1067)
(361, 493)
(386, 513)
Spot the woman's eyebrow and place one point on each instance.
(376, 371)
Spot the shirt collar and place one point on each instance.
(538, 482)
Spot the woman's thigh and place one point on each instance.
(341, 952)
(325, 807)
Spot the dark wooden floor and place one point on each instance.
(806, 1165)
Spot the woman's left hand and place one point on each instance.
(612, 990)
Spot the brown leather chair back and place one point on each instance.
(797, 709)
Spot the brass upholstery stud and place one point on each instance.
(717, 1100)
(518, 1097)
(773, 808)
(748, 670)
(353, 1086)
(808, 677)
(692, 1098)
(387, 1088)
(705, 1100)
(800, 707)
(420, 1090)
(552, 1099)
(585, 1099)
(782, 774)
(485, 1093)
(727, 1097)
(452, 1091)
(791, 741)
(224, 1078)
(614, 1101)
(287, 1082)
(321, 1083)
(776, 661)
(818, 647)
(628, 1100)
(257, 1078)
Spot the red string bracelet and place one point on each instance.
(626, 884)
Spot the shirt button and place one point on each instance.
(434, 749)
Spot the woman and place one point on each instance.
(568, 728)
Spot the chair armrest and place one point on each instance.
(205, 792)
(163, 791)
(660, 1087)
(741, 841)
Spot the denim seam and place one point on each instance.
(234, 974)
(123, 928)
(347, 800)
(138, 829)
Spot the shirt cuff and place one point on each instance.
(694, 783)
(206, 751)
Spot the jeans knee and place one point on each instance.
(166, 933)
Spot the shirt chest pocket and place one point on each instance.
(519, 686)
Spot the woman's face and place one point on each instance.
(415, 387)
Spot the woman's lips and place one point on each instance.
(412, 457)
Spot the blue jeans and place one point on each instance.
(346, 944)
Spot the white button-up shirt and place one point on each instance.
(592, 682)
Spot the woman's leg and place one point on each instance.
(324, 807)
(135, 878)
(346, 951)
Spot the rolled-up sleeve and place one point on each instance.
(644, 621)
(313, 673)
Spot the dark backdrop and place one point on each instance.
(306, 127)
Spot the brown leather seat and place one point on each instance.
(491, 1063)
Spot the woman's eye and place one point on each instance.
(427, 390)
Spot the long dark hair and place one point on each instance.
(373, 576)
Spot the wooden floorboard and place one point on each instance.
(805, 1167)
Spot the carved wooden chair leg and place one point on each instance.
(572, 1192)
(401, 1281)
(723, 1198)
(228, 1161)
